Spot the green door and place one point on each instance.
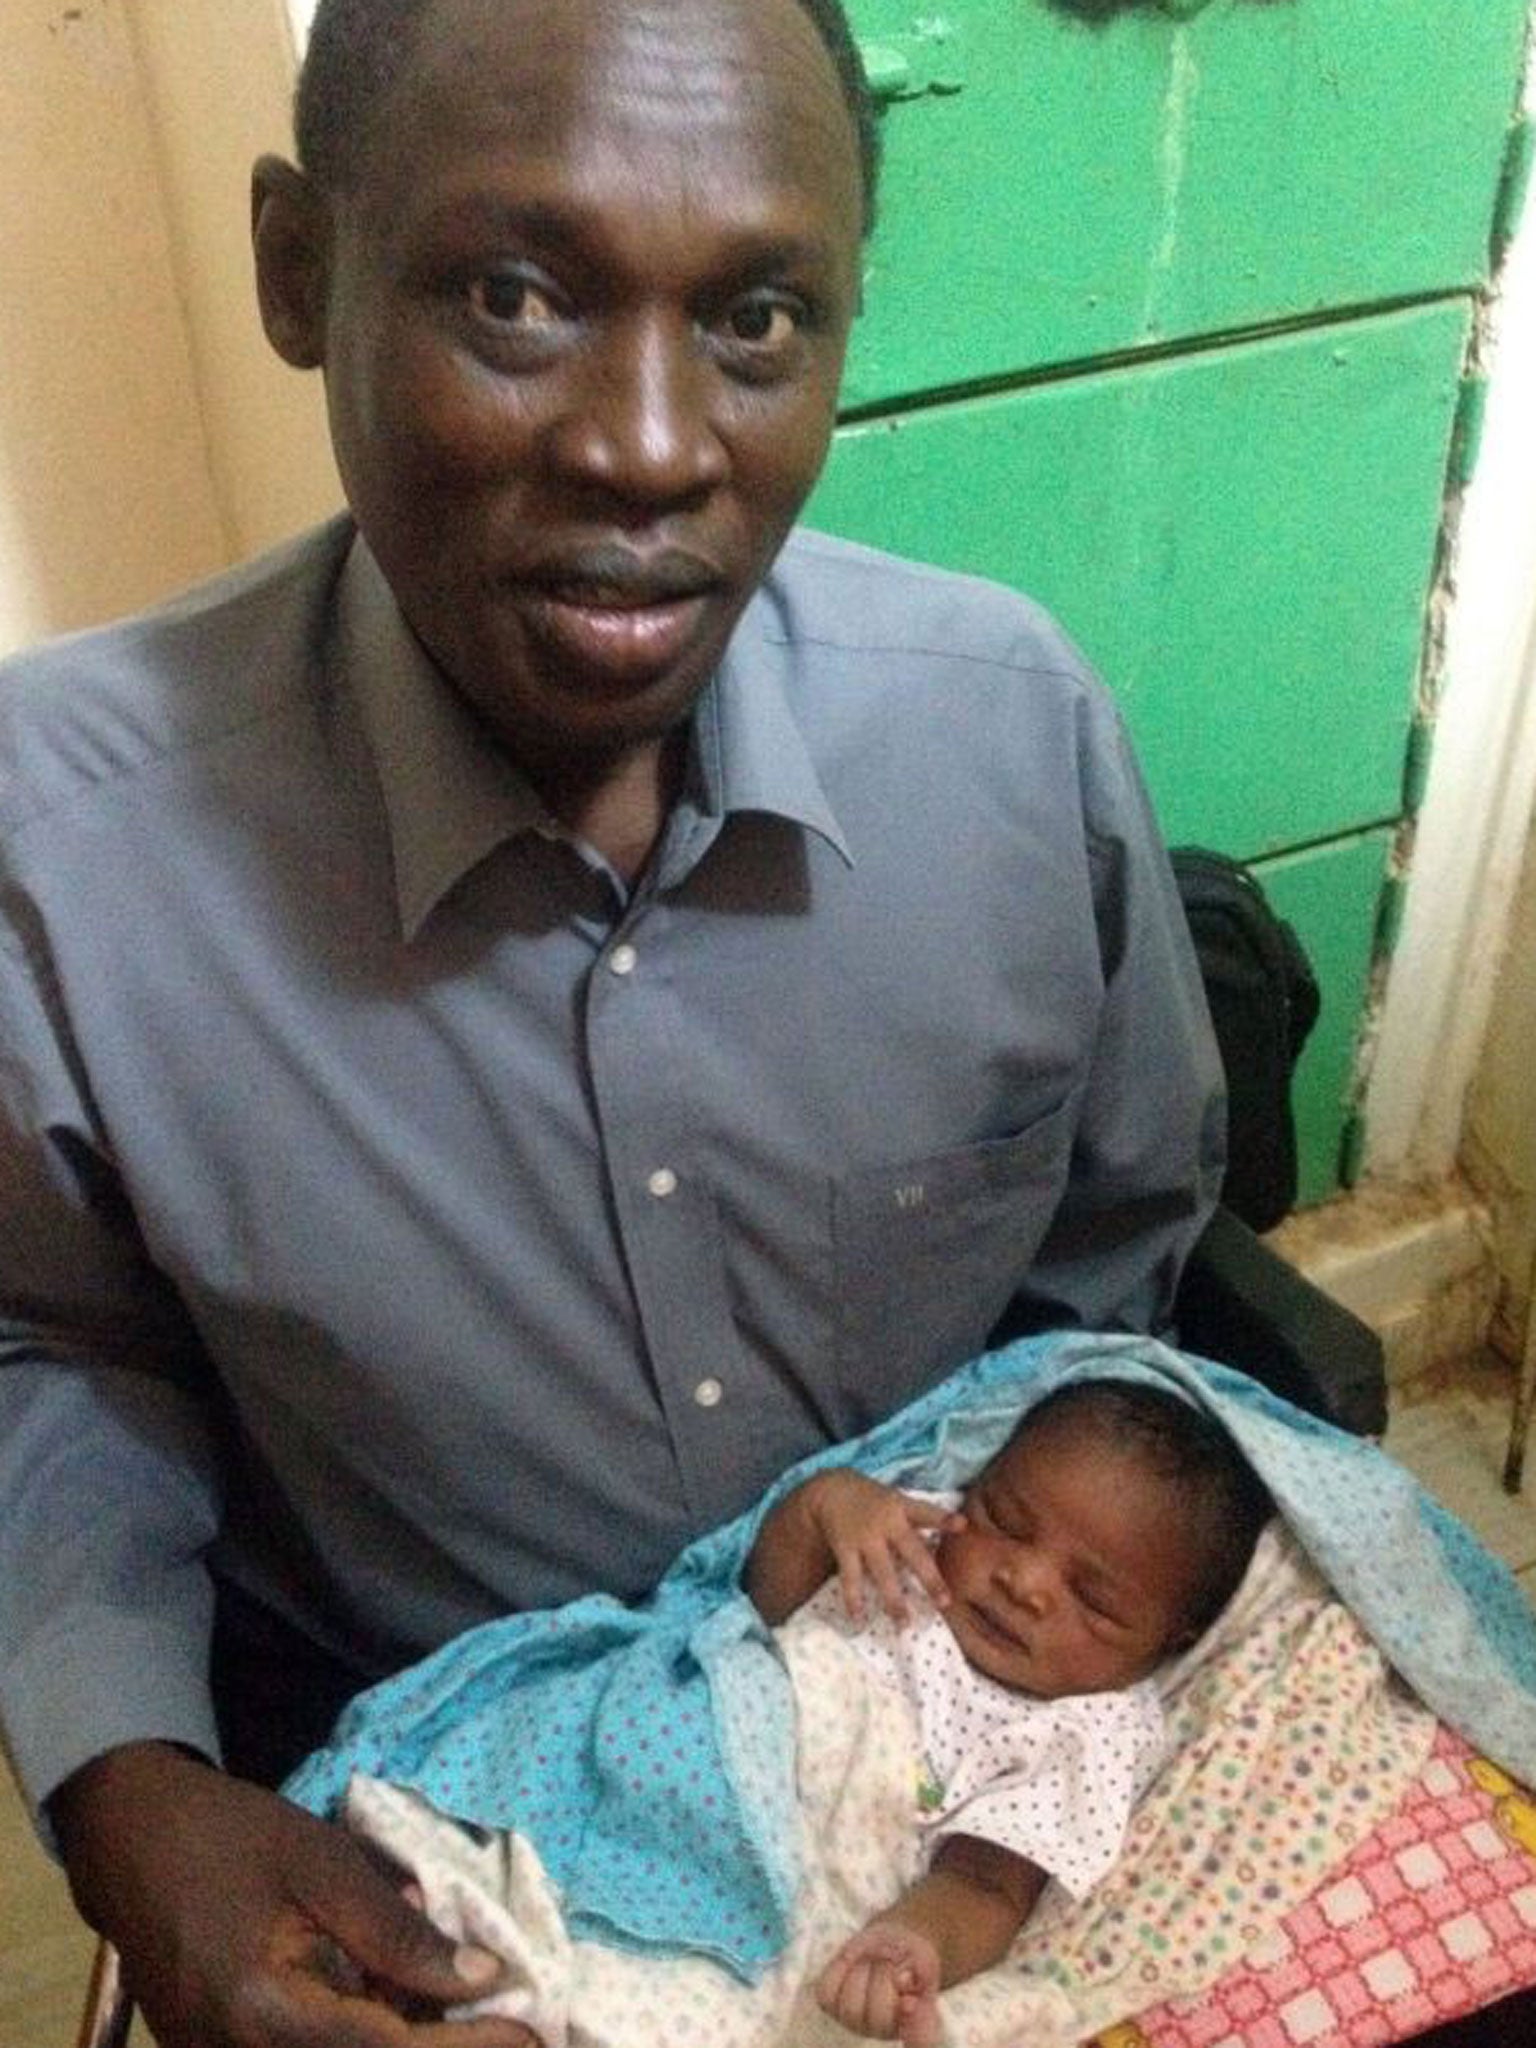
(1166, 318)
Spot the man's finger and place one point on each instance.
(482, 2033)
(310, 2015)
(396, 1946)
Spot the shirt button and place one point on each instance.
(622, 960)
(663, 1182)
(709, 1393)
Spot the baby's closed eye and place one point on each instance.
(1103, 1607)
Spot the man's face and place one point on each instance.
(583, 324)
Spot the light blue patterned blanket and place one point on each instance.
(648, 1751)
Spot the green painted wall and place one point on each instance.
(1165, 323)
(1092, 189)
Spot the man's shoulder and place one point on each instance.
(842, 595)
(96, 705)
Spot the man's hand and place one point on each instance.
(884, 1983)
(873, 1533)
(243, 1922)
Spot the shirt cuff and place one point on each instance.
(106, 1679)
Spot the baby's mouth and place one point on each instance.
(998, 1632)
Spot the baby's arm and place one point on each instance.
(840, 1521)
(959, 1919)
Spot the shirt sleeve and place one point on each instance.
(1150, 1143)
(108, 1472)
(1062, 1798)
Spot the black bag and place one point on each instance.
(1264, 1001)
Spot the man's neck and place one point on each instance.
(620, 807)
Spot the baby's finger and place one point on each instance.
(850, 1577)
(841, 1988)
(917, 2023)
(928, 1514)
(870, 1997)
(882, 2003)
(829, 1985)
(884, 1566)
(923, 1565)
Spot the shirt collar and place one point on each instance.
(452, 795)
(760, 757)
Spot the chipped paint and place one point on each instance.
(1172, 165)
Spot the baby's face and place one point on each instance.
(1071, 1575)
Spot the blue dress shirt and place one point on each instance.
(404, 1218)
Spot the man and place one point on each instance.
(515, 1026)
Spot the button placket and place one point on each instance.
(665, 1217)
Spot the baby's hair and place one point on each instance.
(1222, 1502)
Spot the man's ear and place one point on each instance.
(290, 234)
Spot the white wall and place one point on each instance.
(1466, 861)
(219, 74)
(147, 434)
(106, 494)
(1499, 1142)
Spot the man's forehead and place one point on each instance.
(714, 109)
(543, 62)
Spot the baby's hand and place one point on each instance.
(873, 1533)
(884, 1983)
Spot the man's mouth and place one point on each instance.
(618, 613)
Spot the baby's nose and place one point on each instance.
(1028, 1580)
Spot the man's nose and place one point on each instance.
(639, 424)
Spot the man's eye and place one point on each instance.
(764, 323)
(512, 300)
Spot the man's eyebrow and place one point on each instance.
(781, 252)
(482, 213)
(571, 224)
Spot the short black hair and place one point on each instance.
(1222, 1502)
(358, 48)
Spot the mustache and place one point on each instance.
(610, 573)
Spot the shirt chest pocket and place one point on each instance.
(928, 1253)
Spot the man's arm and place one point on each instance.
(110, 1488)
(239, 1919)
